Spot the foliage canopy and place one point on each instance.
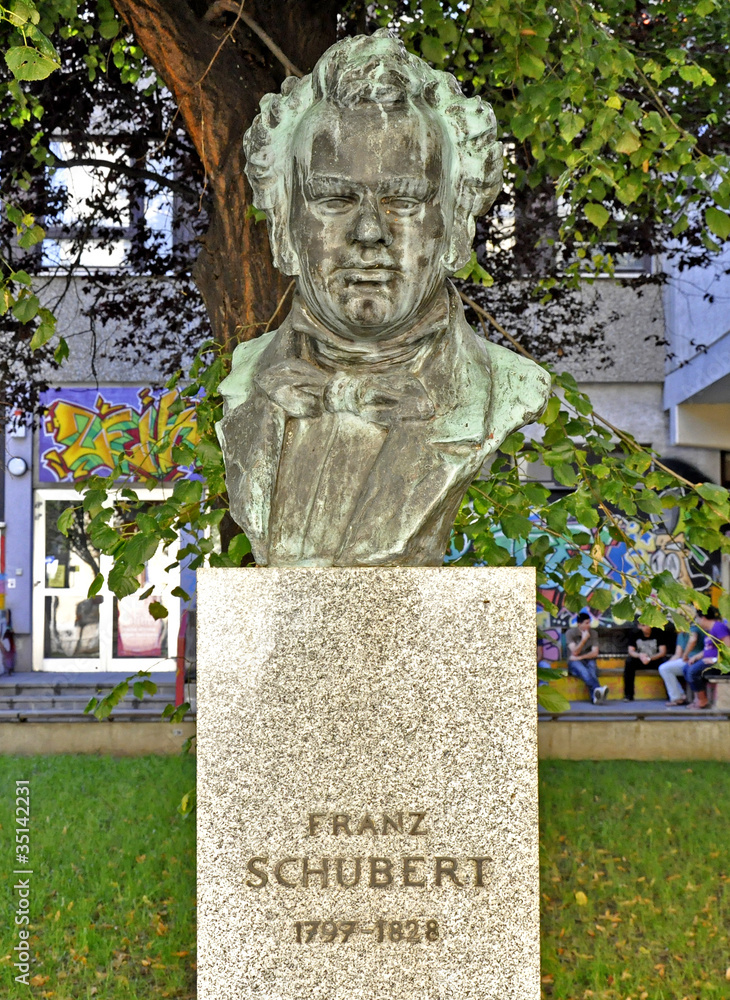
(616, 118)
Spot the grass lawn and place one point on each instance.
(635, 878)
(113, 889)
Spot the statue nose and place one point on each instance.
(370, 225)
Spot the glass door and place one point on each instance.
(75, 632)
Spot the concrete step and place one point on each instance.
(71, 715)
(46, 696)
(75, 704)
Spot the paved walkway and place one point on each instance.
(631, 710)
(74, 678)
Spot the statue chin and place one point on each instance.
(367, 313)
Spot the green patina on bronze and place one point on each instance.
(351, 433)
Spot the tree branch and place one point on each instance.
(181, 47)
(231, 7)
(136, 172)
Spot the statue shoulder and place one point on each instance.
(245, 363)
(520, 391)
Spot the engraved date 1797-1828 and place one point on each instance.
(340, 931)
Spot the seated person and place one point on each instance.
(673, 668)
(647, 650)
(582, 643)
(705, 662)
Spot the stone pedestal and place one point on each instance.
(367, 784)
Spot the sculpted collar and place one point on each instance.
(334, 353)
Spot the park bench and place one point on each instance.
(610, 672)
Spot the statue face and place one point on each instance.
(367, 220)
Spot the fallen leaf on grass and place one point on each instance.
(39, 980)
(581, 898)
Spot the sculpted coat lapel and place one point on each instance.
(365, 465)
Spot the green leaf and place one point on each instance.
(669, 590)
(432, 49)
(651, 615)
(158, 610)
(255, 213)
(550, 673)
(96, 585)
(565, 474)
(718, 221)
(109, 29)
(552, 700)
(516, 525)
(597, 214)
(718, 496)
(570, 125)
(42, 334)
(122, 581)
(65, 520)
(140, 548)
(188, 491)
(523, 126)
(26, 309)
(31, 236)
(628, 142)
(26, 63)
(601, 599)
(551, 411)
(61, 352)
(624, 610)
(723, 605)
(530, 65)
(238, 547)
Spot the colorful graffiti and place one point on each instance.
(93, 432)
(661, 547)
(651, 552)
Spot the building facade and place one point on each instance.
(667, 383)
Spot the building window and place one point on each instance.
(96, 212)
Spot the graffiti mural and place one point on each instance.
(89, 432)
(661, 547)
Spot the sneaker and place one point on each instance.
(596, 696)
(603, 694)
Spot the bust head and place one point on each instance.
(371, 172)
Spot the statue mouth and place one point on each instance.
(372, 276)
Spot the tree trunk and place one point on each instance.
(218, 70)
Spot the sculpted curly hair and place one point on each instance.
(376, 69)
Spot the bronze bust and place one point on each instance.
(351, 433)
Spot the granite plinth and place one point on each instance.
(367, 784)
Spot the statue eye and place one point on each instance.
(336, 203)
(401, 204)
